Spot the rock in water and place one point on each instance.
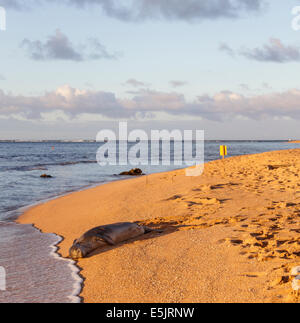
(46, 176)
(133, 172)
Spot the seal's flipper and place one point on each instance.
(108, 240)
(103, 235)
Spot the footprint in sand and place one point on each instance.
(209, 201)
(175, 197)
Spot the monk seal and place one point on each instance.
(102, 236)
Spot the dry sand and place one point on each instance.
(230, 235)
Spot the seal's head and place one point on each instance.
(77, 251)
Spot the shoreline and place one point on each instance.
(38, 254)
(17, 213)
(75, 270)
(40, 216)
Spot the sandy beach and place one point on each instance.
(230, 235)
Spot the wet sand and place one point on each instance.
(230, 235)
(34, 272)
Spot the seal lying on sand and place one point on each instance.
(111, 234)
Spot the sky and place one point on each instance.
(70, 68)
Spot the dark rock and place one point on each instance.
(133, 172)
(46, 176)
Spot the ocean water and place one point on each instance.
(34, 272)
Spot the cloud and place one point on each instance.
(178, 83)
(141, 10)
(2, 78)
(244, 87)
(223, 105)
(262, 88)
(151, 100)
(136, 83)
(67, 99)
(266, 85)
(226, 49)
(18, 4)
(59, 47)
(275, 51)
(99, 51)
(188, 10)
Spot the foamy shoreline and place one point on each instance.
(189, 209)
(74, 296)
(35, 272)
